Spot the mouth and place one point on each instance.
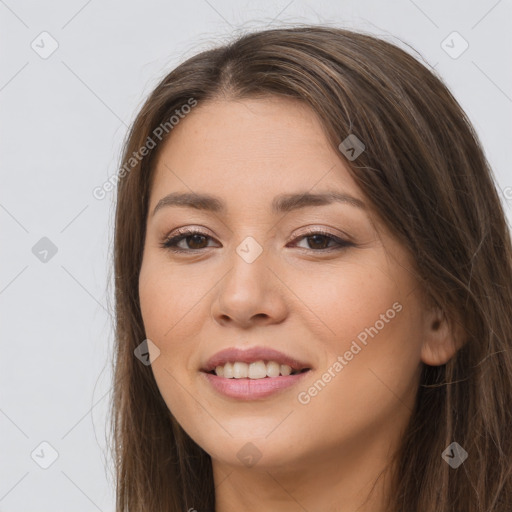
(253, 373)
(253, 363)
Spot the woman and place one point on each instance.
(313, 288)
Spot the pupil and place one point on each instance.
(316, 238)
(195, 239)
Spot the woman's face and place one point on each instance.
(344, 301)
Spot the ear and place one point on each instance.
(442, 337)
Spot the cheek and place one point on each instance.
(372, 347)
(341, 301)
(175, 308)
(171, 297)
(170, 319)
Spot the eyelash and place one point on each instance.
(171, 242)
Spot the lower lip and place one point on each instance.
(248, 389)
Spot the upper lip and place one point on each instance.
(250, 355)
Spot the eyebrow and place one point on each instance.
(282, 203)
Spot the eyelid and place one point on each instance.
(341, 243)
(319, 230)
(193, 229)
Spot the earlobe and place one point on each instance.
(440, 339)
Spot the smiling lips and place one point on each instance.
(252, 373)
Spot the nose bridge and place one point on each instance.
(248, 268)
(246, 291)
(249, 250)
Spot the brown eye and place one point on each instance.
(318, 241)
(194, 241)
(321, 241)
(187, 241)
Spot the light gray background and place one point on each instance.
(63, 120)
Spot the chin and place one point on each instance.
(254, 453)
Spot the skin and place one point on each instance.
(310, 303)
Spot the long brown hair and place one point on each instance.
(425, 174)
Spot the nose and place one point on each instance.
(250, 294)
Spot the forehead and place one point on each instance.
(250, 150)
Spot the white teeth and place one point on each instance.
(228, 371)
(256, 370)
(273, 369)
(240, 370)
(285, 369)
